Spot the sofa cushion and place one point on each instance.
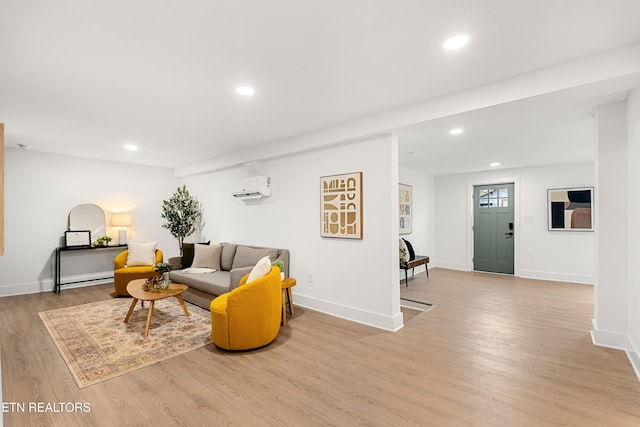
(236, 276)
(228, 253)
(262, 267)
(247, 257)
(216, 283)
(187, 254)
(206, 256)
(141, 254)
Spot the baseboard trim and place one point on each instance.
(557, 277)
(46, 285)
(607, 339)
(635, 362)
(450, 265)
(376, 320)
(617, 341)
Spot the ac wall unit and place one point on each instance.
(253, 187)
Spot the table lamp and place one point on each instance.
(121, 220)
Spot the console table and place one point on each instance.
(61, 249)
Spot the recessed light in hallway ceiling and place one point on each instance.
(245, 90)
(456, 131)
(456, 42)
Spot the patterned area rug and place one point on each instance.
(97, 345)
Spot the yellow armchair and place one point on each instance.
(123, 275)
(249, 316)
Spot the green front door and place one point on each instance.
(493, 228)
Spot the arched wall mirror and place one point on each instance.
(88, 217)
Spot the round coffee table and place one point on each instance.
(134, 288)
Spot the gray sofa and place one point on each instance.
(235, 261)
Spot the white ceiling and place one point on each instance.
(84, 78)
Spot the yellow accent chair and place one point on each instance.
(249, 316)
(122, 275)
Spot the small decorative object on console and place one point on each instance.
(103, 240)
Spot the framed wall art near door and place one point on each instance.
(571, 209)
(404, 208)
(341, 206)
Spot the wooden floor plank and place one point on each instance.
(494, 351)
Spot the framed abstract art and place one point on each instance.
(341, 206)
(570, 209)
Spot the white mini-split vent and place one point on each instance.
(253, 187)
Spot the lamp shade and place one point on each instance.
(121, 219)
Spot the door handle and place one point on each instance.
(509, 233)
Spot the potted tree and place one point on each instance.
(181, 213)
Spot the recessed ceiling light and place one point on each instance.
(456, 42)
(494, 164)
(245, 90)
(456, 131)
(131, 147)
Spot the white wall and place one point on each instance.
(354, 279)
(539, 253)
(40, 191)
(422, 235)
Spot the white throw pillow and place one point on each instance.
(404, 257)
(206, 256)
(141, 254)
(261, 269)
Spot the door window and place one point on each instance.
(493, 198)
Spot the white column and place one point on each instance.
(633, 160)
(611, 289)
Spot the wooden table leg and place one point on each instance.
(290, 300)
(184, 307)
(146, 329)
(133, 305)
(284, 309)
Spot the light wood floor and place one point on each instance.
(495, 351)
